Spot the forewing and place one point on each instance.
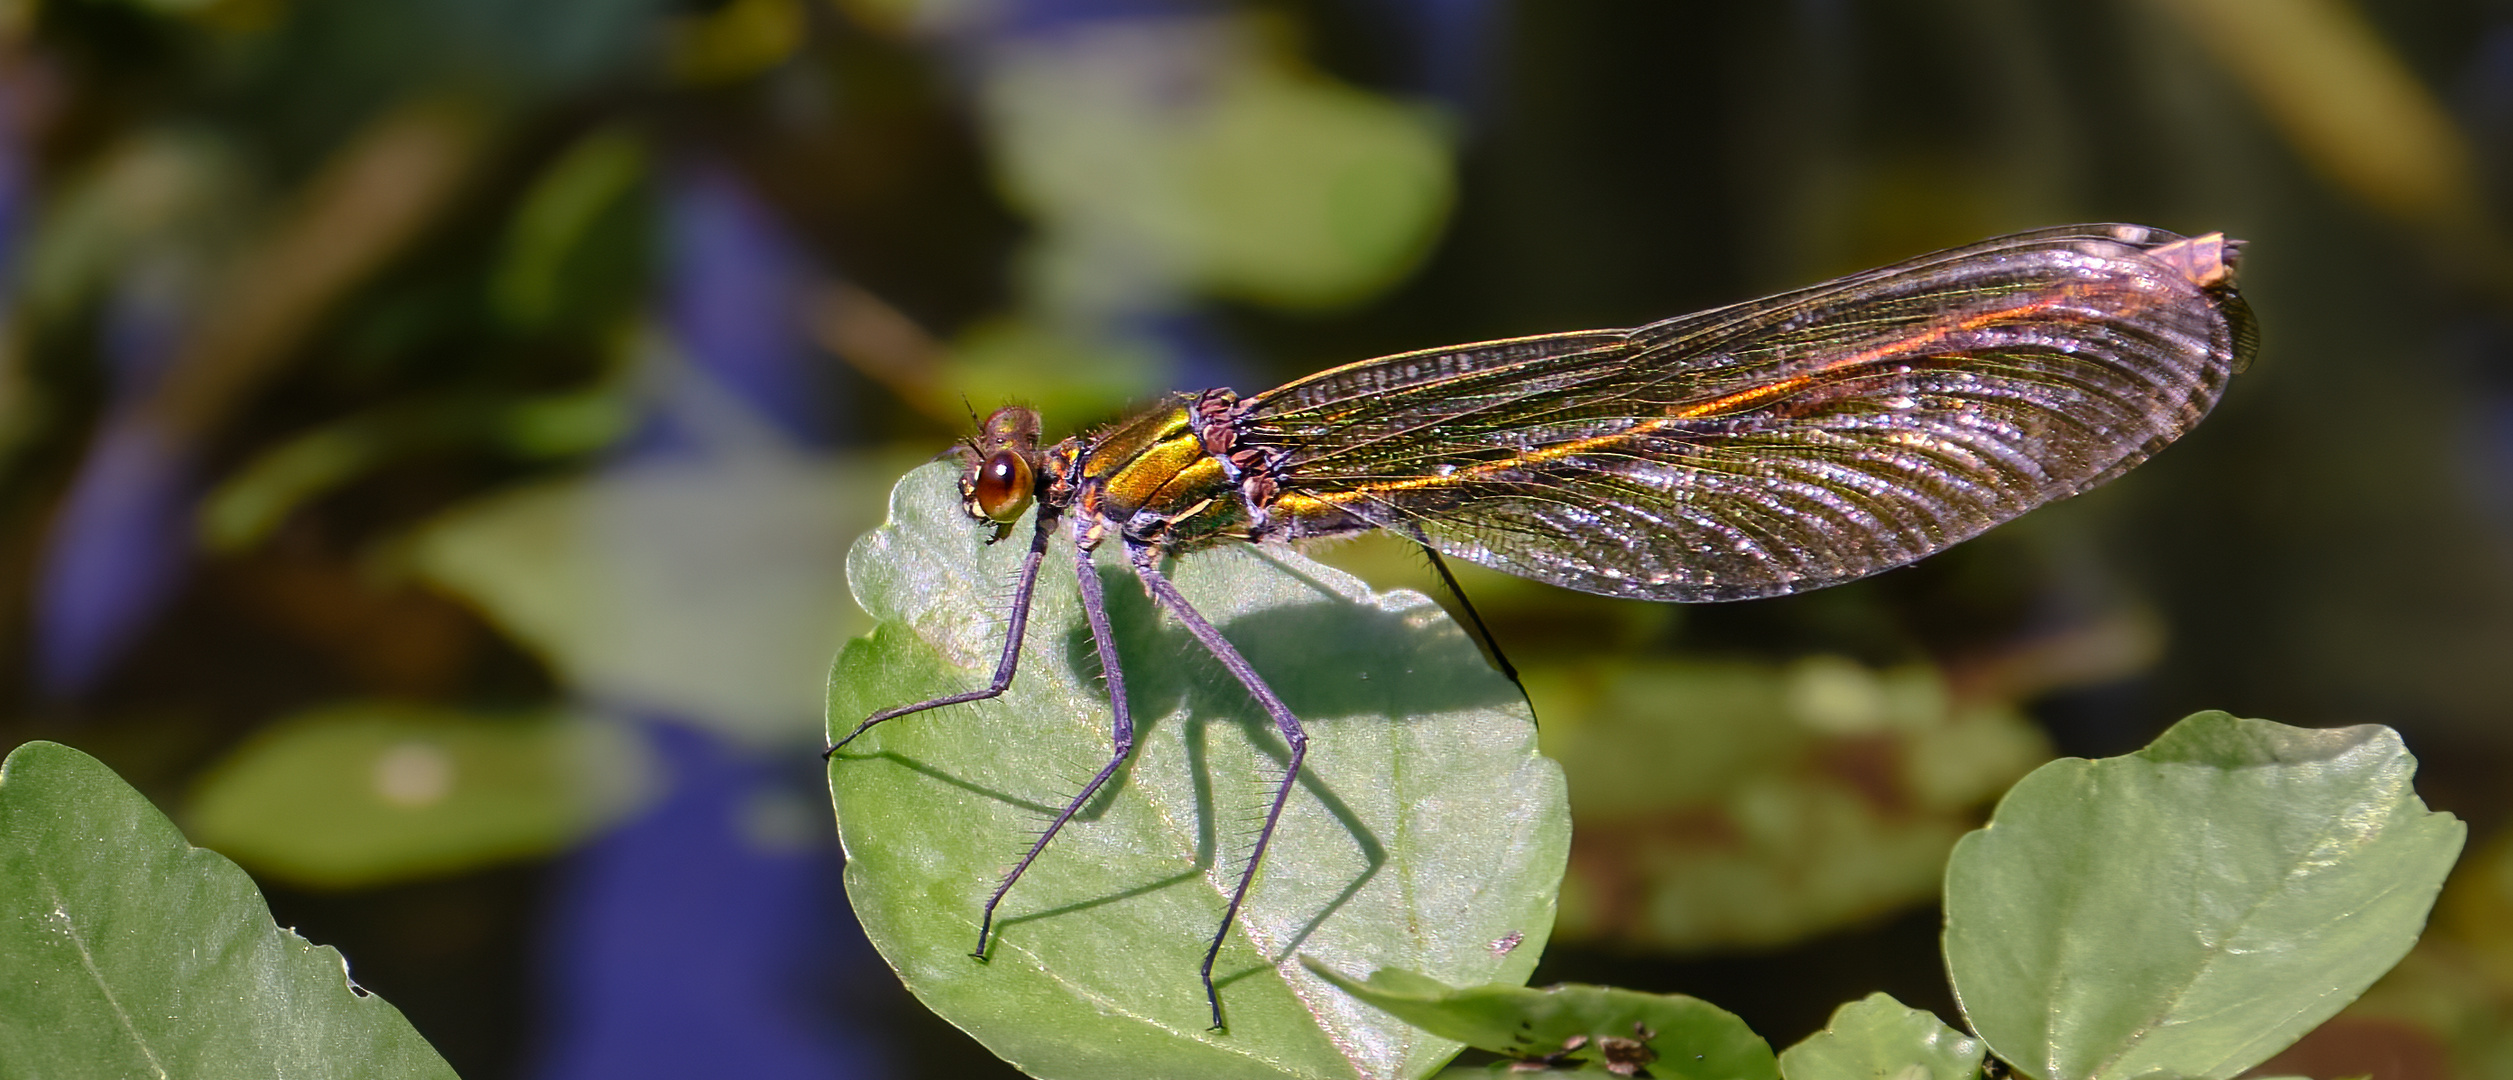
(1788, 443)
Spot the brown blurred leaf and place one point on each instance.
(2356, 113)
(887, 346)
(367, 203)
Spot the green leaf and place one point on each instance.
(367, 793)
(257, 498)
(1426, 831)
(1306, 193)
(2193, 908)
(1053, 368)
(706, 586)
(551, 228)
(1725, 803)
(132, 953)
(1271, 183)
(1878, 1038)
(1594, 1027)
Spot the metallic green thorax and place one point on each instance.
(1151, 477)
(1178, 476)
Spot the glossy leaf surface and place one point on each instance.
(1593, 1028)
(1426, 832)
(1878, 1038)
(132, 953)
(2192, 908)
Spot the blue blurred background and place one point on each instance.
(431, 433)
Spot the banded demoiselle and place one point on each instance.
(1763, 448)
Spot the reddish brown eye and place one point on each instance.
(1003, 486)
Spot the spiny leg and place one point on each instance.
(1095, 608)
(1142, 555)
(1022, 588)
(1414, 533)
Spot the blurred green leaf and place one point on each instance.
(167, 190)
(1066, 378)
(915, 16)
(2350, 104)
(563, 424)
(1267, 182)
(1878, 1038)
(132, 953)
(2194, 907)
(550, 234)
(1594, 1028)
(707, 587)
(248, 506)
(255, 500)
(735, 40)
(1426, 831)
(364, 794)
(2455, 989)
(1725, 803)
(1308, 193)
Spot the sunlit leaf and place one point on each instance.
(1426, 833)
(1878, 1038)
(1593, 1028)
(132, 953)
(367, 793)
(2194, 907)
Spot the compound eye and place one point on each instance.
(1004, 486)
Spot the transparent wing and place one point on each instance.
(1781, 444)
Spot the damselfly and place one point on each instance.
(1764, 448)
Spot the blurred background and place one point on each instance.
(431, 433)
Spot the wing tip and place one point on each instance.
(2208, 261)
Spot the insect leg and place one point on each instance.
(1121, 731)
(1143, 555)
(1022, 587)
(1500, 660)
